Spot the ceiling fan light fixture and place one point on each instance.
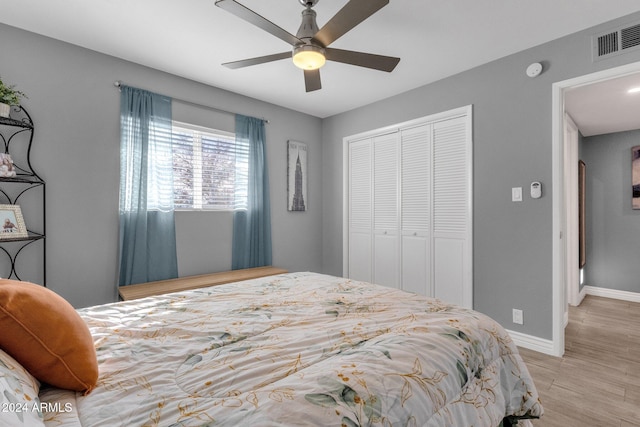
(308, 57)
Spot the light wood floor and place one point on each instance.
(597, 382)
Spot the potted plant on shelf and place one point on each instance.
(9, 96)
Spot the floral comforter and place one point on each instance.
(297, 349)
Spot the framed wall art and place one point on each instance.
(297, 200)
(12, 223)
(582, 208)
(635, 177)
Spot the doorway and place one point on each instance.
(564, 158)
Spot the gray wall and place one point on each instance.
(75, 108)
(613, 227)
(512, 147)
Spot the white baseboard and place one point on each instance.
(582, 294)
(530, 342)
(612, 293)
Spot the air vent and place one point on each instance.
(630, 37)
(616, 42)
(607, 43)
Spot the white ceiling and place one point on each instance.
(605, 107)
(433, 38)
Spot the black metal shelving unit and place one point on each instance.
(15, 131)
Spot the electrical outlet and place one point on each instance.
(518, 316)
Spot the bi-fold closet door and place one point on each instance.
(408, 197)
(389, 208)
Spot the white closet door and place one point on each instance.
(415, 209)
(452, 211)
(385, 210)
(410, 207)
(360, 243)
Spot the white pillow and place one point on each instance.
(19, 402)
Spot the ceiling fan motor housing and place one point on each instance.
(309, 26)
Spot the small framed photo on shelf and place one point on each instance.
(6, 166)
(12, 223)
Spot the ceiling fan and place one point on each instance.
(311, 44)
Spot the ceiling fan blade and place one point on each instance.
(348, 17)
(251, 17)
(258, 60)
(312, 80)
(368, 60)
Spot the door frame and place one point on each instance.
(560, 170)
(571, 157)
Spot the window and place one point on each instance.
(210, 169)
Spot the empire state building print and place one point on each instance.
(297, 176)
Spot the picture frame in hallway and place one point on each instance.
(297, 175)
(635, 177)
(582, 229)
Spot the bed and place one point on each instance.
(287, 350)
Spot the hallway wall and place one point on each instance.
(612, 226)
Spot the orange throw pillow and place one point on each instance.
(47, 336)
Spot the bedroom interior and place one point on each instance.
(518, 259)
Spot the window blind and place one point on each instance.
(210, 169)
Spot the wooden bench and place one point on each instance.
(160, 287)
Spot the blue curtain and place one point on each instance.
(252, 226)
(147, 227)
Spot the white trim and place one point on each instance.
(469, 302)
(433, 118)
(612, 293)
(203, 129)
(559, 217)
(572, 234)
(558, 286)
(530, 342)
(345, 207)
(581, 295)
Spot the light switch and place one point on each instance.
(516, 194)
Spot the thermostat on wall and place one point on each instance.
(536, 190)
